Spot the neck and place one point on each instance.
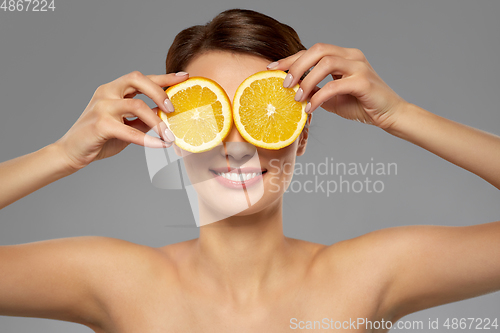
(243, 254)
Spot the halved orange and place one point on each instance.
(265, 113)
(202, 116)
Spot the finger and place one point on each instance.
(308, 108)
(346, 86)
(123, 108)
(150, 86)
(167, 135)
(328, 65)
(285, 63)
(311, 57)
(319, 48)
(138, 124)
(132, 135)
(166, 80)
(132, 95)
(313, 91)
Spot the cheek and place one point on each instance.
(280, 168)
(197, 166)
(288, 167)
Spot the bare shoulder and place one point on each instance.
(126, 271)
(375, 248)
(388, 263)
(73, 279)
(106, 251)
(364, 264)
(129, 261)
(382, 247)
(112, 264)
(174, 250)
(307, 248)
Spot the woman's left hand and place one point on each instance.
(356, 92)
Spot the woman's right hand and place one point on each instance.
(103, 130)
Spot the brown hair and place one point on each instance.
(234, 30)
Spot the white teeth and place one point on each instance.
(234, 176)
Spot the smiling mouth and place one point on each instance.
(238, 175)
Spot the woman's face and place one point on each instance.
(218, 196)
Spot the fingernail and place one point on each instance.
(168, 105)
(308, 107)
(299, 94)
(288, 81)
(181, 73)
(273, 65)
(162, 143)
(169, 135)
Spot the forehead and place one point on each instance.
(227, 69)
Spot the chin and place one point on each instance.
(216, 204)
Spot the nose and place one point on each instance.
(236, 147)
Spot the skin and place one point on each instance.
(239, 153)
(242, 274)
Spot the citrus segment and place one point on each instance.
(265, 113)
(202, 116)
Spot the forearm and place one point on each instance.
(26, 174)
(467, 147)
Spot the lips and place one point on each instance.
(238, 178)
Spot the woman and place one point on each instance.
(242, 273)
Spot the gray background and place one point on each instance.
(440, 55)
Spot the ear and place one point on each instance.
(304, 135)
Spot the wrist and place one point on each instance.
(406, 120)
(28, 173)
(60, 162)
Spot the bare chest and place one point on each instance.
(311, 309)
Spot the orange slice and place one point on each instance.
(202, 116)
(265, 113)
